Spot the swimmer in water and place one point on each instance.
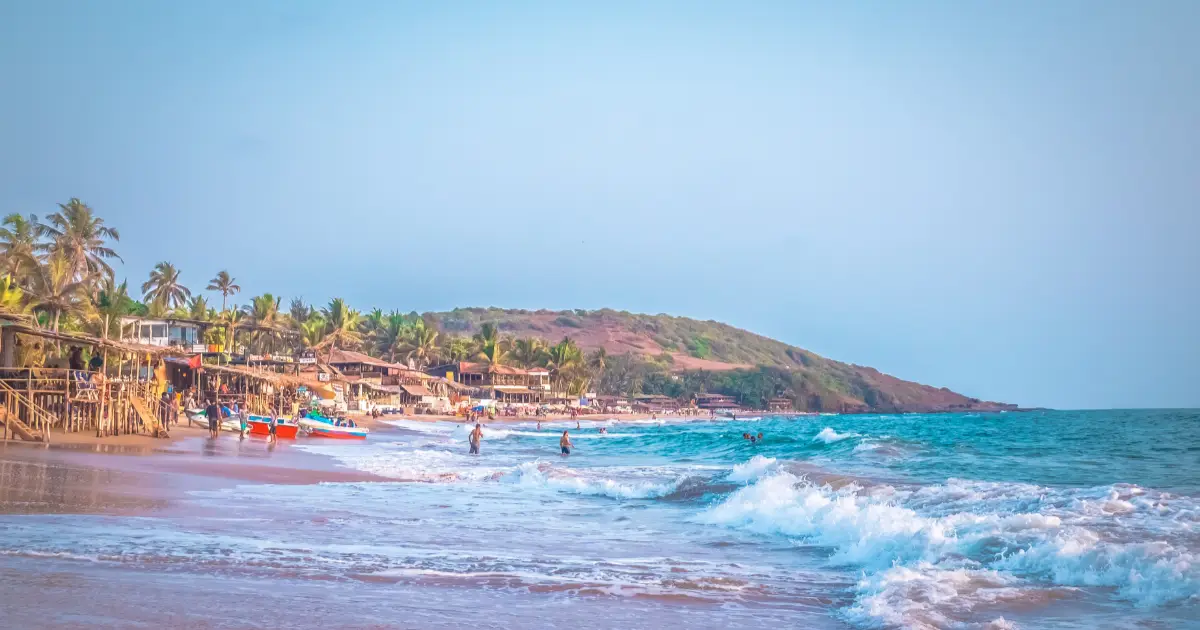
(475, 437)
(565, 444)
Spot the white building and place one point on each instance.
(185, 334)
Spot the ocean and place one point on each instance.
(1046, 519)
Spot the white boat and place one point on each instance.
(321, 428)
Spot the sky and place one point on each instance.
(998, 198)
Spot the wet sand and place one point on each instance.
(129, 476)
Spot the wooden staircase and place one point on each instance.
(20, 429)
(10, 416)
(149, 419)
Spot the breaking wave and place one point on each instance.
(972, 543)
(829, 436)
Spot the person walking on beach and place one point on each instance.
(474, 439)
(565, 444)
(271, 428)
(213, 411)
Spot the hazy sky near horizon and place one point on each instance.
(1000, 198)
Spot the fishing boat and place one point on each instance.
(319, 426)
(284, 427)
(336, 432)
(200, 417)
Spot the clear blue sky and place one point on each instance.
(1000, 198)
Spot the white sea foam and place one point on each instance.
(544, 475)
(829, 436)
(752, 469)
(992, 536)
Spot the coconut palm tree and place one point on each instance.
(299, 312)
(372, 322)
(224, 284)
(597, 361)
(312, 332)
(529, 352)
(263, 313)
(230, 320)
(197, 308)
(164, 288)
(564, 358)
(19, 243)
(82, 238)
(342, 323)
(112, 302)
(55, 290)
(388, 339)
(421, 345)
(12, 298)
(492, 348)
(458, 348)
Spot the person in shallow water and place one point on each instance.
(475, 437)
(565, 443)
(213, 411)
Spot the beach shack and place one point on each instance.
(376, 383)
(779, 404)
(716, 402)
(72, 382)
(655, 403)
(507, 383)
(260, 391)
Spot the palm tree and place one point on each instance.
(372, 322)
(19, 243)
(342, 323)
(458, 348)
(421, 344)
(230, 320)
(12, 298)
(225, 285)
(564, 357)
(299, 312)
(491, 347)
(82, 238)
(312, 332)
(198, 308)
(529, 351)
(164, 288)
(54, 289)
(112, 302)
(597, 361)
(388, 339)
(263, 312)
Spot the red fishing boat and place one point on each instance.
(261, 425)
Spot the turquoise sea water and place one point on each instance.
(1029, 520)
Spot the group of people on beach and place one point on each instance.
(216, 411)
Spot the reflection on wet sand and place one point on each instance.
(39, 487)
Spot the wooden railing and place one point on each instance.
(22, 417)
(77, 400)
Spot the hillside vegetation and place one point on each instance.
(679, 357)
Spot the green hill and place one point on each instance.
(679, 356)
